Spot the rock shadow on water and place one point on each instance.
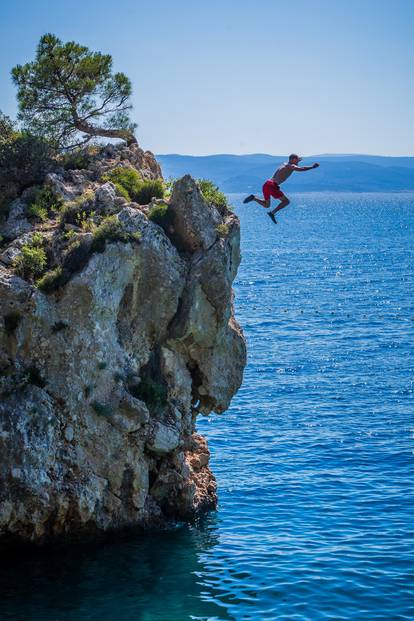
(155, 577)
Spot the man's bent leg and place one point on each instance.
(284, 202)
(263, 202)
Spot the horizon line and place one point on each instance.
(283, 155)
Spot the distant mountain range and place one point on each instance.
(246, 173)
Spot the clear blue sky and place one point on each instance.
(243, 76)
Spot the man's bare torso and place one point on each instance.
(283, 172)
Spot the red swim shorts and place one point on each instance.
(270, 188)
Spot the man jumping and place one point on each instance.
(271, 186)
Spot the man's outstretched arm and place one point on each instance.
(302, 168)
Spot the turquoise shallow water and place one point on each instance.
(314, 459)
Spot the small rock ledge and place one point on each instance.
(101, 379)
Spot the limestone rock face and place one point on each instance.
(101, 380)
(195, 222)
(17, 223)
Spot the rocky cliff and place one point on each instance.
(106, 362)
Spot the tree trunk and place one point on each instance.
(92, 130)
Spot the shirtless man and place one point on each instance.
(271, 186)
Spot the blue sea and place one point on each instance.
(314, 460)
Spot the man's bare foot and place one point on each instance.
(272, 216)
(249, 198)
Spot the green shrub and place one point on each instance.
(222, 229)
(52, 280)
(69, 213)
(122, 191)
(77, 159)
(31, 263)
(69, 235)
(109, 230)
(42, 203)
(149, 190)
(37, 240)
(161, 214)
(37, 211)
(127, 180)
(213, 195)
(80, 208)
(135, 236)
(84, 221)
(131, 186)
(24, 160)
(87, 197)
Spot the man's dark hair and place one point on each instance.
(293, 156)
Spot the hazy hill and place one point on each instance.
(244, 173)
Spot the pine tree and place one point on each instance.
(69, 94)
